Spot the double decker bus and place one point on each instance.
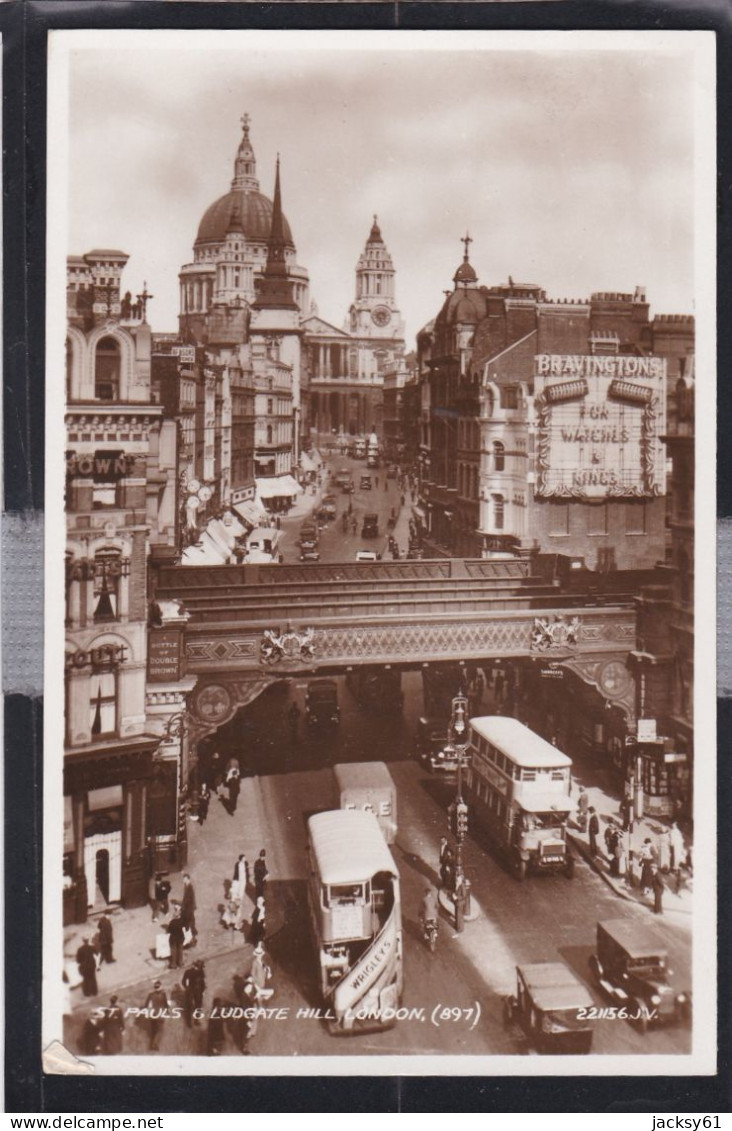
(518, 786)
(355, 913)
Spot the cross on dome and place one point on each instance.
(467, 240)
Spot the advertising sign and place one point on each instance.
(164, 655)
(600, 422)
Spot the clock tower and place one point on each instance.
(374, 313)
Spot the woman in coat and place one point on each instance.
(256, 935)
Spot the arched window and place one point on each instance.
(69, 368)
(499, 456)
(103, 702)
(107, 370)
(498, 512)
(108, 569)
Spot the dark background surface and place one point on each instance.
(24, 28)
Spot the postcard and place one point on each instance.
(380, 486)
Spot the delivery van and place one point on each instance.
(263, 545)
(369, 786)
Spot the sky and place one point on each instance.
(571, 166)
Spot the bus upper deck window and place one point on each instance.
(528, 775)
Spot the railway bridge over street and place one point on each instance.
(244, 627)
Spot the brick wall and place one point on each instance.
(138, 577)
(548, 517)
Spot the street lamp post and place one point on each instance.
(458, 740)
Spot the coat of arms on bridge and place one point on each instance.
(554, 632)
(289, 647)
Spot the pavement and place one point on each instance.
(607, 805)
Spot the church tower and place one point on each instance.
(374, 314)
(276, 347)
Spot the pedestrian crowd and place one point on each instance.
(104, 1028)
(661, 861)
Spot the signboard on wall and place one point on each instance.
(164, 655)
(600, 422)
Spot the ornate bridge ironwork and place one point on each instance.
(250, 626)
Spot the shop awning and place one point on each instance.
(278, 487)
(250, 513)
(216, 531)
(206, 552)
(306, 462)
(419, 512)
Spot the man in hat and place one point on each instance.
(106, 940)
(176, 934)
(194, 985)
(188, 905)
(261, 972)
(113, 1026)
(86, 960)
(260, 873)
(157, 1004)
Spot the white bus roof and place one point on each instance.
(518, 743)
(362, 775)
(349, 846)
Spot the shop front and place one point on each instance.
(105, 844)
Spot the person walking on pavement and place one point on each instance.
(188, 905)
(86, 960)
(161, 892)
(176, 936)
(106, 940)
(194, 985)
(113, 1025)
(157, 1004)
(657, 886)
(240, 878)
(647, 858)
(233, 782)
(664, 850)
(204, 798)
(593, 829)
(261, 973)
(583, 803)
(677, 850)
(256, 934)
(261, 872)
(249, 998)
(215, 1032)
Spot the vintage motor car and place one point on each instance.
(434, 749)
(367, 556)
(631, 967)
(553, 1008)
(370, 527)
(365, 483)
(329, 506)
(321, 703)
(311, 554)
(308, 536)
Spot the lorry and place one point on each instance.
(369, 786)
(263, 545)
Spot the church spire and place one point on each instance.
(276, 288)
(245, 165)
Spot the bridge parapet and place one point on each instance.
(556, 633)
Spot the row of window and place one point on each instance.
(635, 518)
(508, 767)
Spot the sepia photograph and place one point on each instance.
(377, 497)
